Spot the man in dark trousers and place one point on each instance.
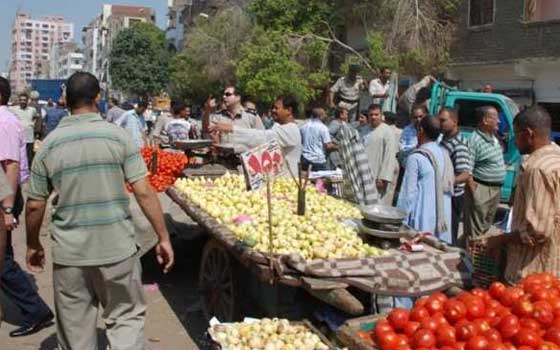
(13, 160)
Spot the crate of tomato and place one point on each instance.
(164, 167)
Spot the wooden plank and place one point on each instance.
(321, 284)
(340, 299)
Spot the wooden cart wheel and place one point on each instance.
(217, 283)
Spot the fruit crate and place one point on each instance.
(486, 269)
(215, 345)
(347, 334)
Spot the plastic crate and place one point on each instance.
(486, 269)
(347, 333)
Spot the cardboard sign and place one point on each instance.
(263, 159)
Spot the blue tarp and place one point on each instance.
(48, 88)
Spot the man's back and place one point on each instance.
(86, 162)
(314, 136)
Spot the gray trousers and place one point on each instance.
(480, 209)
(80, 291)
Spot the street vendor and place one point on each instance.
(285, 131)
(233, 113)
(533, 244)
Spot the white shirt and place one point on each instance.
(287, 135)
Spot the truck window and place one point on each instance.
(467, 108)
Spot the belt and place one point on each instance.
(347, 101)
(489, 184)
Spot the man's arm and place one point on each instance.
(34, 213)
(11, 169)
(149, 203)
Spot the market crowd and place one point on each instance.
(70, 154)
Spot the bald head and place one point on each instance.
(536, 119)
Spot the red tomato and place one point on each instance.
(418, 314)
(529, 323)
(477, 342)
(543, 313)
(528, 338)
(523, 308)
(482, 325)
(429, 324)
(496, 345)
(555, 323)
(402, 340)
(411, 328)
(494, 335)
(497, 289)
(510, 346)
(447, 347)
(454, 310)
(545, 345)
(388, 340)
(481, 293)
(382, 327)
(475, 308)
(439, 296)
(465, 330)
(446, 335)
(423, 338)
(398, 318)
(553, 335)
(555, 303)
(511, 295)
(464, 296)
(541, 294)
(421, 302)
(440, 319)
(509, 326)
(492, 317)
(434, 305)
(403, 347)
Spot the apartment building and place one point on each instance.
(66, 59)
(31, 44)
(99, 34)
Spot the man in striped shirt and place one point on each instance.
(534, 242)
(488, 173)
(459, 153)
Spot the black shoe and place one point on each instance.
(44, 322)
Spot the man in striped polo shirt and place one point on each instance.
(86, 162)
(488, 173)
(459, 153)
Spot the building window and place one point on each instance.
(481, 12)
(542, 10)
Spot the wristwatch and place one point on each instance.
(7, 210)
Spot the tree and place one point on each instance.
(210, 55)
(271, 65)
(139, 60)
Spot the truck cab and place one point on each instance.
(466, 103)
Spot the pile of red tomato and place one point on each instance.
(524, 317)
(169, 166)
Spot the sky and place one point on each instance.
(80, 12)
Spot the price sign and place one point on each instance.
(260, 161)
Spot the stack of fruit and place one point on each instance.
(319, 234)
(169, 165)
(266, 334)
(524, 317)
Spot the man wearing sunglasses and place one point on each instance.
(234, 113)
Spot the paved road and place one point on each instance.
(174, 320)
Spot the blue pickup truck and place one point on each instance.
(466, 103)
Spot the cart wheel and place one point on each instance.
(217, 283)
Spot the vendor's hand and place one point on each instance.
(494, 244)
(471, 185)
(222, 127)
(381, 185)
(10, 222)
(165, 255)
(35, 258)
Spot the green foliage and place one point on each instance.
(302, 16)
(139, 60)
(268, 68)
(378, 53)
(209, 59)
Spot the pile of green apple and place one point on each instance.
(320, 234)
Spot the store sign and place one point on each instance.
(260, 161)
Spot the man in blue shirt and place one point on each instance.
(133, 122)
(409, 138)
(316, 141)
(54, 114)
